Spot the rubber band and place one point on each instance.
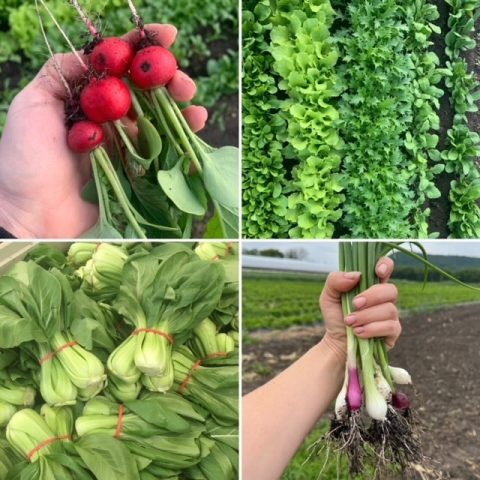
(50, 355)
(121, 413)
(196, 365)
(156, 332)
(45, 443)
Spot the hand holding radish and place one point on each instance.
(376, 314)
(41, 178)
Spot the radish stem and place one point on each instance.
(111, 175)
(70, 44)
(85, 19)
(52, 55)
(173, 115)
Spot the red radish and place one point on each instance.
(153, 67)
(113, 56)
(85, 136)
(105, 100)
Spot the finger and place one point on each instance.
(390, 329)
(381, 293)
(196, 117)
(163, 34)
(130, 127)
(182, 87)
(384, 269)
(336, 284)
(377, 313)
(69, 65)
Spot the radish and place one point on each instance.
(105, 100)
(85, 136)
(112, 56)
(153, 67)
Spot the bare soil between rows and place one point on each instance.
(439, 350)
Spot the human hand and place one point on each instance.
(375, 315)
(41, 179)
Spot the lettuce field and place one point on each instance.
(360, 119)
(276, 301)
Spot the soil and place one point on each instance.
(440, 207)
(440, 352)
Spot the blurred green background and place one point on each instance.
(206, 47)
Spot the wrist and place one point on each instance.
(337, 346)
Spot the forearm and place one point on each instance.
(279, 415)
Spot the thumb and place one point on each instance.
(336, 284)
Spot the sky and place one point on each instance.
(326, 252)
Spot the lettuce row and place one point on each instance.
(376, 112)
(305, 58)
(264, 200)
(420, 142)
(463, 145)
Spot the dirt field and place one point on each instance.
(439, 351)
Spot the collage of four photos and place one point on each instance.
(239, 240)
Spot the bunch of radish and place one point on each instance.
(106, 97)
(151, 172)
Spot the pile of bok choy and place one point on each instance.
(120, 362)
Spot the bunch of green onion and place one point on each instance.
(374, 421)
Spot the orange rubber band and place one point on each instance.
(44, 444)
(121, 413)
(196, 365)
(156, 332)
(50, 355)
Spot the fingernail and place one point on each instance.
(350, 319)
(382, 269)
(351, 275)
(358, 330)
(359, 302)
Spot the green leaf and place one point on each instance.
(174, 185)
(149, 141)
(15, 330)
(107, 458)
(89, 192)
(158, 414)
(221, 175)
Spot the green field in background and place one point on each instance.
(279, 300)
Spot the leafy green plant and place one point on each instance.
(463, 145)
(305, 58)
(264, 183)
(386, 112)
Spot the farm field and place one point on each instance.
(275, 300)
(354, 110)
(436, 348)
